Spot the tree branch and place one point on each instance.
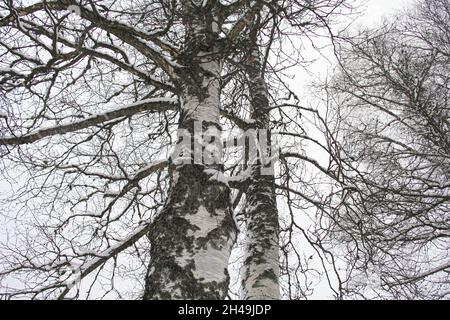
(152, 105)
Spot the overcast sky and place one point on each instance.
(373, 13)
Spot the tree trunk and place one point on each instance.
(261, 263)
(193, 236)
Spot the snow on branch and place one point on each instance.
(110, 252)
(445, 267)
(20, 12)
(148, 44)
(152, 104)
(141, 174)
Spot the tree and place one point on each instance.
(101, 194)
(391, 104)
(157, 150)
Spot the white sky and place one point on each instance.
(373, 13)
(377, 9)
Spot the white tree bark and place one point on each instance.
(193, 236)
(261, 263)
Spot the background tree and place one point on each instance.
(391, 105)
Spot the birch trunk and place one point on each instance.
(261, 263)
(193, 236)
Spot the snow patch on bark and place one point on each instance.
(207, 108)
(210, 264)
(205, 221)
(203, 111)
(261, 282)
